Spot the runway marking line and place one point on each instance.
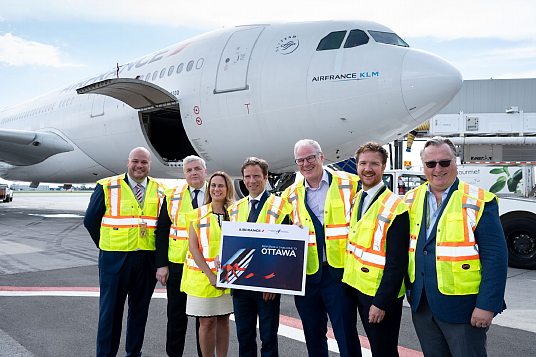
(287, 321)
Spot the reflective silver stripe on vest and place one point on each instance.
(114, 186)
(176, 198)
(203, 225)
(273, 214)
(367, 257)
(382, 218)
(292, 199)
(468, 205)
(460, 251)
(345, 187)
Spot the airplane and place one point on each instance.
(231, 93)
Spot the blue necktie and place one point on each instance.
(360, 207)
(252, 210)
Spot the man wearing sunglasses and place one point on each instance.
(457, 258)
(321, 203)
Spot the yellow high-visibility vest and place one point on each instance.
(194, 282)
(457, 258)
(336, 215)
(125, 221)
(367, 244)
(275, 209)
(179, 201)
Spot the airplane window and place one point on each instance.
(162, 72)
(189, 66)
(332, 41)
(155, 74)
(388, 38)
(356, 38)
(199, 63)
(179, 69)
(148, 77)
(171, 69)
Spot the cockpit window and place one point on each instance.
(388, 38)
(332, 41)
(356, 38)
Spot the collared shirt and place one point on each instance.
(433, 209)
(133, 184)
(371, 193)
(200, 195)
(316, 197)
(258, 198)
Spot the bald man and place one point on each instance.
(121, 219)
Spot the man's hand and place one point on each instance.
(298, 224)
(481, 318)
(268, 296)
(217, 262)
(162, 275)
(375, 315)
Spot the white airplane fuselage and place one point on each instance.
(241, 91)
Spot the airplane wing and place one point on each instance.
(25, 147)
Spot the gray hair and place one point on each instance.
(438, 141)
(305, 142)
(191, 158)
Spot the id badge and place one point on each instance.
(143, 229)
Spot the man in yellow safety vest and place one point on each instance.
(321, 202)
(457, 258)
(121, 219)
(261, 207)
(172, 245)
(377, 252)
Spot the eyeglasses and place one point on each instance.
(442, 163)
(310, 159)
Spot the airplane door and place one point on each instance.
(234, 61)
(97, 109)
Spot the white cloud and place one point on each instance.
(17, 51)
(454, 19)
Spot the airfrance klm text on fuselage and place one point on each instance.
(235, 92)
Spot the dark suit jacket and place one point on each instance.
(109, 261)
(396, 263)
(493, 257)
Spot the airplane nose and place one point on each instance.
(428, 84)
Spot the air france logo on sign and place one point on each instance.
(343, 77)
(287, 45)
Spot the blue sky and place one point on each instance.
(47, 44)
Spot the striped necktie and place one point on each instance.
(139, 193)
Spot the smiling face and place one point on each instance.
(195, 174)
(311, 171)
(440, 178)
(139, 164)
(218, 189)
(370, 169)
(254, 180)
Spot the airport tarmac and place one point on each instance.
(49, 292)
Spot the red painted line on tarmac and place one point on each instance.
(45, 288)
(297, 324)
(284, 320)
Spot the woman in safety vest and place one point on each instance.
(211, 304)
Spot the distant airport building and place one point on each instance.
(494, 96)
(19, 187)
